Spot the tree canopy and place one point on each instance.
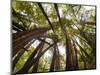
(49, 37)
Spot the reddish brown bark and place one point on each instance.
(20, 39)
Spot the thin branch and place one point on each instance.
(44, 41)
(39, 4)
(78, 10)
(82, 49)
(16, 28)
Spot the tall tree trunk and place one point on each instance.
(35, 66)
(57, 62)
(69, 64)
(68, 50)
(31, 61)
(75, 57)
(21, 53)
(20, 39)
(14, 62)
(52, 66)
(84, 61)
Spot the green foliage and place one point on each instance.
(78, 21)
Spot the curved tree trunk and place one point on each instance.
(14, 62)
(22, 38)
(29, 61)
(21, 52)
(35, 66)
(32, 61)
